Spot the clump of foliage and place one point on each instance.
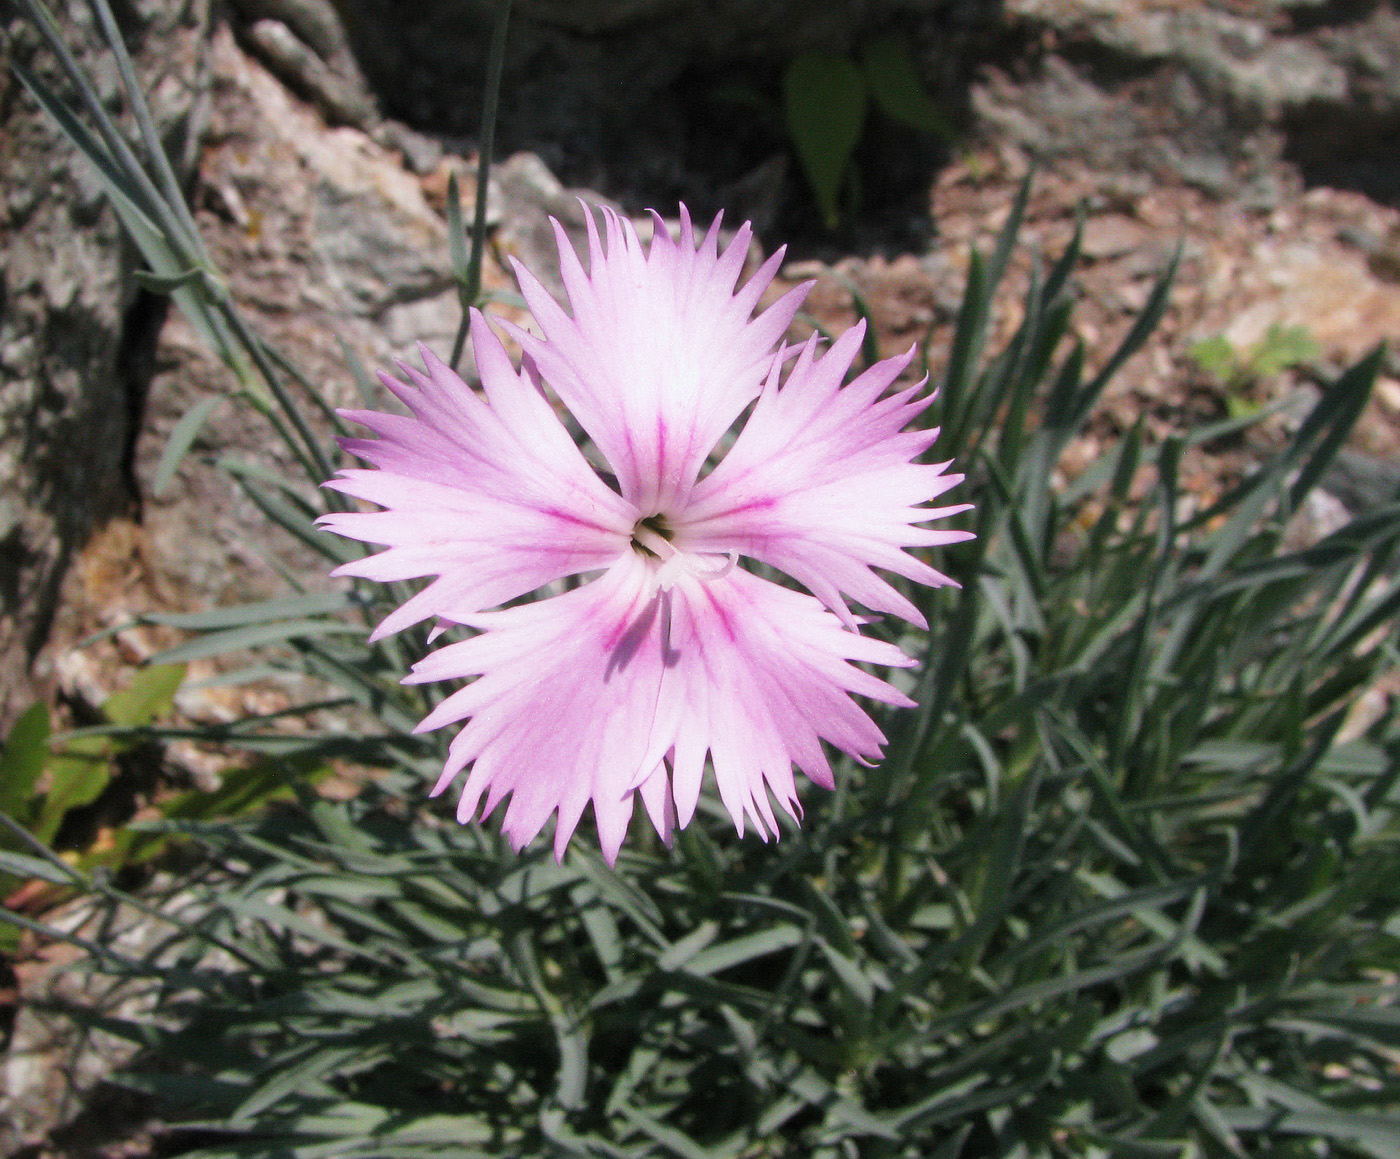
(1238, 372)
(45, 780)
(826, 99)
(1125, 885)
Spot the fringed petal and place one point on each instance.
(822, 483)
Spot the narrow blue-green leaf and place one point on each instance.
(134, 210)
(1379, 1134)
(261, 612)
(840, 1107)
(22, 865)
(170, 189)
(281, 916)
(673, 1141)
(366, 386)
(870, 340)
(456, 231)
(683, 952)
(167, 283)
(726, 955)
(253, 636)
(309, 1071)
(181, 439)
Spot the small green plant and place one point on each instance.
(1282, 348)
(825, 99)
(1120, 888)
(43, 779)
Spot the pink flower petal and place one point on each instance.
(578, 697)
(660, 355)
(822, 483)
(490, 494)
(562, 710)
(759, 677)
(673, 658)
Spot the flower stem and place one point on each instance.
(495, 63)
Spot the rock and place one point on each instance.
(1350, 140)
(421, 154)
(291, 59)
(533, 195)
(432, 321)
(1237, 85)
(75, 334)
(377, 238)
(1320, 514)
(1231, 56)
(53, 1066)
(337, 242)
(1112, 235)
(1333, 296)
(628, 94)
(303, 43)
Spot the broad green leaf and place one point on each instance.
(824, 102)
(22, 761)
(1281, 348)
(1216, 357)
(77, 776)
(150, 695)
(897, 89)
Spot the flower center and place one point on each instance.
(652, 539)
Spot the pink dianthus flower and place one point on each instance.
(669, 652)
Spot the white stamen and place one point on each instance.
(665, 576)
(654, 542)
(700, 571)
(702, 566)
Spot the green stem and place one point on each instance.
(309, 450)
(495, 63)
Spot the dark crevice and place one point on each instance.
(14, 561)
(113, 1121)
(1330, 13)
(1109, 66)
(649, 118)
(1351, 152)
(135, 367)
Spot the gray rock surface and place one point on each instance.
(328, 212)
(75, 337)
(1249, 85)
(324, 235)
